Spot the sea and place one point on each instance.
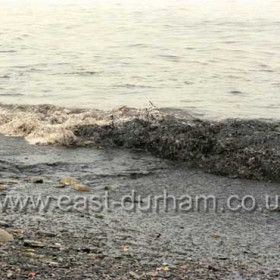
(215, 59)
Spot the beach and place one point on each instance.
(66, 240)
(139, 139)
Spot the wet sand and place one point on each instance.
(117, 244)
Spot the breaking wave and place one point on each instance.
(241, 148)
(51, 125)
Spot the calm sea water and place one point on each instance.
(215, 58)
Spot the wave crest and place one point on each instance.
(52, 125)
(242, 148)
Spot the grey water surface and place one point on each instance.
(216, 59)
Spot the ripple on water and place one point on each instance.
(132, 86)
(8, 51)
(79, 73)
(169, 57)
(11, 94)
(237, 92)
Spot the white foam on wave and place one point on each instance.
(51, 125)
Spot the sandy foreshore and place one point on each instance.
(114, 243)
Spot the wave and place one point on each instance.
(8, 51)
(52, 125)
(11, 94)
(80, 73)
(241, 148)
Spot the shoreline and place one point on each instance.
(237, 148)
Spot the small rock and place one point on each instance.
(117, 257)
(3, 253)
(213, 268)
(47, 233)
(96, 256)
(2, 187)
(5, 236)
(38, 219)
(99, 216)
(222, 258)
(4, 224)
(125, 249)
(51, 263)
(109, 188)
(216, 235)
(67, 181)
(33, 243)
(18, 231)
(30, 254)
(152, 273)
(80, 188)
(10, 274)
(60, 186)
(36, 180)
(73, 183)
(8, 182)
(30, 250)
(134, 275)
(59, 246)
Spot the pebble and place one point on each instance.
(3, 253)
(2, 187)
(60, 186)
(73, 183)
(96, 256)
(8, 182)
(216, 235)
(5, 236)
(134, 275)
(36, 180)
(213, 268)
(80, 188)
(59, 246)
(99, 216)
(4, 224)
(30, 250)
(47, 233)
(51, 263)
(33, 243)
(109, 188)
(10, 274)
(18, 231)
(152, 273)
(67, 181)
(38, 219)
(30, 254)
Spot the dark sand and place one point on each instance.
(116, 244)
